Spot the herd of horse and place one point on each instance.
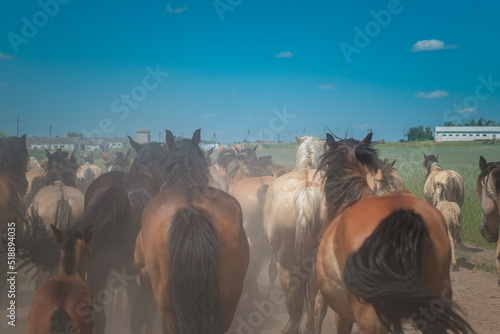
(338, 230)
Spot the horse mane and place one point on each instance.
(309, 153)
(344, 177)
(185, 164)
(150, 160)
(388, 181)
(233, 160)
(14, 161)
(429, 161)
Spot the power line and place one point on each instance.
(18, 121)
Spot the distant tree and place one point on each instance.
(490, 123)
(74, 134)
(449, 124)
(3, 134)
(480, 122)
(418, 133)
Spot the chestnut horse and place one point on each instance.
(488, 189)
(64, 304)
(440, 181)
(382, 260)
(294, 215)
(192, 250)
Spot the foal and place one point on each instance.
(64, 304)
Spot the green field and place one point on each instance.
(462, 157)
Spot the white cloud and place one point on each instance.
(178, 10)
(431, 95)
(431, 45)
(326, 87)
(467, 111)
(362, 126)
(3, 56)
(208, 115)
(286, 54)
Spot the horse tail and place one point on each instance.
(88, 177)
(60, 322)
(386, 272)
(63, 214)
(194, 250)
(262, 242)
(454, 189)
(307, 228)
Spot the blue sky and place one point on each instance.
(235, 67)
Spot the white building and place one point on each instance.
(143, 136)
(466, 133)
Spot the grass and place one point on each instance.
(463, 157)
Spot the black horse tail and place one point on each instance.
(60, 322)
(386, 272)
(194, 251)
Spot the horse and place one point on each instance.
(277, 170)
(439, 180)
(382, 259)
(117, 161)
(64, 304)
(61, 166)
(385, 178)
(248, 182)
(192, 249)
(87, 173)
(453, 216)
(86, 159)
(33, 163)
(114, 203)
(488, 189)
(294, 216)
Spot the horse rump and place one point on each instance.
(386, 272)
(194, 250)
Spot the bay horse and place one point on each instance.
(382, 259)
(114, 203)
(64, 304)
(294, 215)
(488, 190)
(117, 161)
(443, 181)
(192, 249)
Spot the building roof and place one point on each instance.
(462, 129)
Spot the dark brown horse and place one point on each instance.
(192, 250)
(116, 201)
(382, 260)
(64, 304)
(116, 161)
(488, 190)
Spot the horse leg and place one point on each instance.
(286, 283)
(343, 326)
(453, 259)
(144, 309)
(498, 260)
(97, 277)
(273, 273)
(320, 309)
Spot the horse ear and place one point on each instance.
(330, 141)
(393, 163)
(437, 156)
(299, 140)
(210, 151)
(72, 157)
(137, 147)
(169, 138)
(58, 235)
(127, 154)
(425, 157)
(103, 155)
(23, 139)
(88, 234)
(255, 148)
(221, 148)
(196, 137)
(48, 153)
(368, 139)
(482, 163)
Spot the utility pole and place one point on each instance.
(50, 137)
(18, 121)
